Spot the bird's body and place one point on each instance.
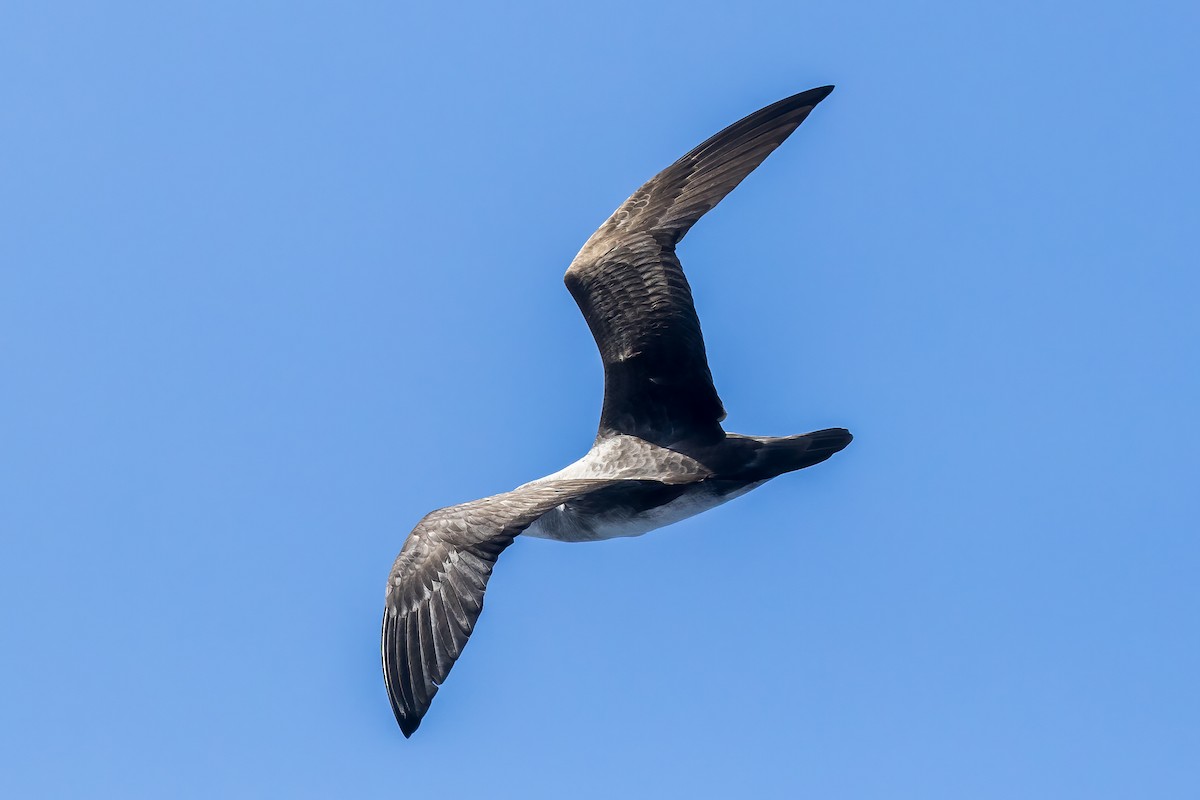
(660, 455)
(661, 485)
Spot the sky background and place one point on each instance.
(277, 278)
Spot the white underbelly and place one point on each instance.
(563, 525)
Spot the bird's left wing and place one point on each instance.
(435, 590)
(630, 286)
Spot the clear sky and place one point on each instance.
(278, 278)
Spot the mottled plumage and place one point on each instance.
(660, 453)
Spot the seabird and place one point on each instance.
(660, 454)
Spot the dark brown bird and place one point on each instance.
(660, 454)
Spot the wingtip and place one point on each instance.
(408, 726)
(809, 98)
(820, 93)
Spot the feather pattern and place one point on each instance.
(435, 589)
(632, 291)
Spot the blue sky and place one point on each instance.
(278, 278)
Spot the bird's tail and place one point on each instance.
(777, 455)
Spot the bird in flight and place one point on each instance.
(660, 454)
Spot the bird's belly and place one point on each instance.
(568, 524)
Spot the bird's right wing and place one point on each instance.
(633, 293)
(435, 590)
